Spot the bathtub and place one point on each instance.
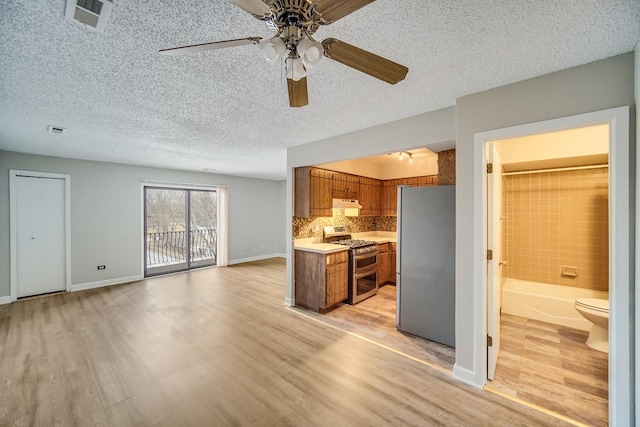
(547, 303)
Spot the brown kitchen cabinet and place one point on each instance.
(370, 197)
(392, 262)
(321, 280)
(390, 191)
(345, 186)
(313, 192)
(383, 263)
(389, 197)
(316, 188)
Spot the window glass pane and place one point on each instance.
(203, 228)
(166, 225)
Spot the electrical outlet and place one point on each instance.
(102, 267)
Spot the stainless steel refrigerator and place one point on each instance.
(426, 263)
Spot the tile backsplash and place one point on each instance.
(303, 227)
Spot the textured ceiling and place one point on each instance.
(228, 110)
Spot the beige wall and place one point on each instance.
(556, 219)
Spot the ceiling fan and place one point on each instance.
(295, 22)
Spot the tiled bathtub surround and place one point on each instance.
(303, 227)
(555, 219)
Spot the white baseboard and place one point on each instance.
(102, 283)
(255, 258)
(289, 302)
(5, 300)
(466, 376)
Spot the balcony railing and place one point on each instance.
(170, 247)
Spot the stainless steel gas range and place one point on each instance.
(363, 262)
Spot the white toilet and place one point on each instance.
(596, 311)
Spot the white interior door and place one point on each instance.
(40, 235)
(494, 240)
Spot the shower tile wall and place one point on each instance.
(555, 219)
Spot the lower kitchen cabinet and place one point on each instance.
(392, 262)
(386, 263)
(383, 264)
(321, 280)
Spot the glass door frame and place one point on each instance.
(187, 265)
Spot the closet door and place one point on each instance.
(40, 235)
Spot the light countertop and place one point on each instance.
(377, 236)
(314, 244)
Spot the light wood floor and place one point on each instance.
(547, 365)
(375, 319)
(551, 366)
(216, 347)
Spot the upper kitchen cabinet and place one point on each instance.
(389, 197)
(345, 186)
(370, 197)
(390, 191)
(313, 192)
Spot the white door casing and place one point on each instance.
(620, 280)
(494, 243)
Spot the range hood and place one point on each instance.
(346, 203)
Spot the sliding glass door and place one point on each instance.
(180, 229)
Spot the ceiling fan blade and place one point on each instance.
(255, 7)
(298, 95)
(367, 62)
(332, 10)
(195, 48)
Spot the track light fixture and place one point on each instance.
(402, 154)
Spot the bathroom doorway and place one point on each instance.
(618, 266)
(549, 193)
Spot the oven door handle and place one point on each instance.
(359, 275)
(365, 255)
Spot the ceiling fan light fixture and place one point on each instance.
(273, 49)
(295, 22)
(295, 68)
(310, 51)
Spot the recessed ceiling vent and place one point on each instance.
(93, 13)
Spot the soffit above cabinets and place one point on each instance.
(388, 166)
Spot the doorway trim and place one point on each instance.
(13, 223)
(620, 241)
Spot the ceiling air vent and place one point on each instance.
(93, 13)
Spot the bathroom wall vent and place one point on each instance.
(92, 13)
